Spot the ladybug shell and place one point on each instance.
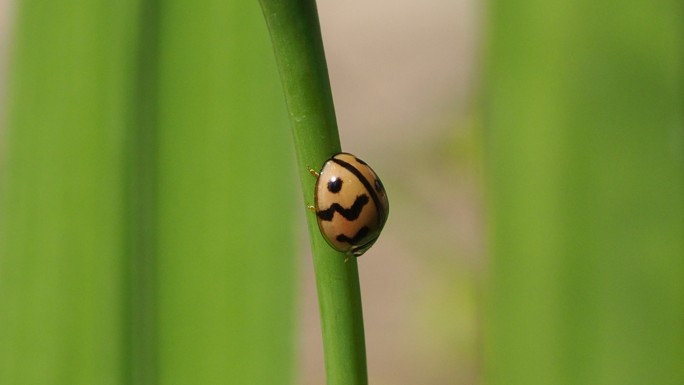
(351, 204)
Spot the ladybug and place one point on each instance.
(351, 204)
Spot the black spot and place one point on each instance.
(335, 185)
(356, 238)
(349, 214)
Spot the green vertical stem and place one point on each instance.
(295, 33)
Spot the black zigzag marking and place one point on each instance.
(354, 240)
(349, 214)
(366, 184)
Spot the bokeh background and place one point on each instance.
(151, 230)
(406, 95)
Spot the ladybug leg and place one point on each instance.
(315, 174)
(346, 258)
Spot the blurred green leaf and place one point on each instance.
(146, 221)
(63, 208)
(226, 199)
(586, 163)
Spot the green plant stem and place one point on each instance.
(295, 33)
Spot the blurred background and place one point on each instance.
(152, 231)
(405, 78)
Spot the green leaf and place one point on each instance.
(586, 184)
(62, 269)
(225, 201)
(147, 198)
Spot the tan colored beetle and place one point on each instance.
(350, 204)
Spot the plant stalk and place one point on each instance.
(296, 37)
